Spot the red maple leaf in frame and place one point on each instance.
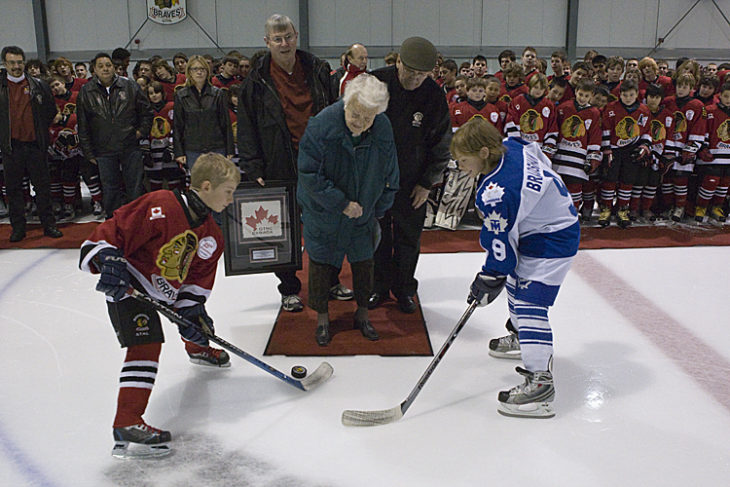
(259, 216)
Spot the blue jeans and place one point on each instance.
(125, 168)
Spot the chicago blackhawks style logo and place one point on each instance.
(69, 109)
(530, 122)
(627, 129)
(160, 128)
(573, 128)
(723, 131)
(680, 123)
(657, 131)
(175, 256)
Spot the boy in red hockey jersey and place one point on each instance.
(689, 135)
(625, 146)
(514, 83)
(167, 245)
(713, 165)
(475, 106)
(661, 130)
(579, 144)
(532, 116)
(161, 165)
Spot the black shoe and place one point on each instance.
(17, 235)
(407, 305)
(323, 335)
(367, 330)
(375, 300)
(52, 231)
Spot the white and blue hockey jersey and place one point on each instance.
(531, 227)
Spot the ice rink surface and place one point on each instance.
(642, 360)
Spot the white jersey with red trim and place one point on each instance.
(172, 261)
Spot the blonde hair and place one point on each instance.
(191, 61)
(215, 168)
(475, 134)
(538, 79)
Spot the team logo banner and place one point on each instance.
(166, 11)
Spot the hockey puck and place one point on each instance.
(298, 372)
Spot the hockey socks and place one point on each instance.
(135, 383)
(534, 332)
(707, 191)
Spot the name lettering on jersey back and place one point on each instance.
(534, 176)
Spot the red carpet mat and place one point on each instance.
(74, 235)
(400, 333)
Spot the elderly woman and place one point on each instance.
(348, 177)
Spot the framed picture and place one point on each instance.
(261, 229)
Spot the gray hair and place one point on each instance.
(278, 23)
(369, 91)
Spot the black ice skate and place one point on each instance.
(210, 356)
(140, 441)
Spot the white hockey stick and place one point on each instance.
(385, 416)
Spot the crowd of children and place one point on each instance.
(630, 138)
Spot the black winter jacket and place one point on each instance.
(42, 104)
(264, 141)
(421, 127)
(108, 122)
(201, 122)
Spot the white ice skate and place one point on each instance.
(533, 399)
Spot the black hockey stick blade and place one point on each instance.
(316, 378)
(384, 416)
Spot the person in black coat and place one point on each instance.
(422, 129)
(201, 122)
(27, 109)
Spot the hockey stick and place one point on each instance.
(320, 375)
(385, 416)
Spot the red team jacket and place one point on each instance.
(170, 88)
(464, 111)
(689, 123)
(579, 138)
(661, 130)
(622, 128)
(717, 129)
(173, 262)
(533, 122)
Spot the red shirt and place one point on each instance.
(296, 99)
(20, 111)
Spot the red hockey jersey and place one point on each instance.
(465, 111)
(579, 138)
(509, 93)
(661, 131)
(222, 82)
(67, 104)
(623, 128)
(533, 120)
(170, 88)
(717, 129)
(689, 123)
(172, 261)
(64, 139)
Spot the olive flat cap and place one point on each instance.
(418, 53)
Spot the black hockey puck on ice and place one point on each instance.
(298, 372)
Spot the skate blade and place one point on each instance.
(538, 410)
(200, 361)
(129, 451)
(515, 355)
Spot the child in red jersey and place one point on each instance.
(649, 73)
(514, 83)
(556, 90)
(625, 145)
(492, 91)
(661, 130)
(706, 90)
(475, 106)
(532, 116)
(579, 144)
(713, 163)
(166, 245)
(689, 135)
(161, 166)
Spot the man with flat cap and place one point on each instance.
(422, 130)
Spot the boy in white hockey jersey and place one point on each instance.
(531, 234)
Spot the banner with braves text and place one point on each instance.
(166, 11)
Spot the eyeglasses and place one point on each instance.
(198, 69)
(279, 40)
(15, 63)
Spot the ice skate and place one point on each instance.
(505, 347)
(533, 399)
(677, 214)
(624, 219)
(209, 356)
(140, 441)
(604, 218)
(97, 209)
(718, 214)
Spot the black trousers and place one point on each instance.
(27, 158)
(397, 255)
(321, 277)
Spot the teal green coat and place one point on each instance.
(333, 172)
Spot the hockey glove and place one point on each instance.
(641, 155)
(593, 162)
(549, 150)
(114, 280)
(687, 158)
(202, 325)
(705, 155)
(485, 288)
(607, 158)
